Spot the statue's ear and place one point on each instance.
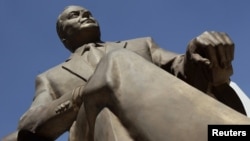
(64, 41)
(67, 44)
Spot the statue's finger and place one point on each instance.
(227, 39)
(205, 40)
(222, 56)
(199, 59)
(213, 38)
(219, 36)
(211, 55)
(56, 110)
(208, 43)
(230, 52)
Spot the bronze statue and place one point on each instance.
(124, 91)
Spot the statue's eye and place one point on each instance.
(73, 15)
(87, 14)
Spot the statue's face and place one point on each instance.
(78, 22)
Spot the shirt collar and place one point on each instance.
(85, 47)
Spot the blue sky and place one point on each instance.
(29, 43)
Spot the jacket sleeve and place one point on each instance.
(41, 118)
(178, 65)
(42, 97)
(167, 60)
(43, 92)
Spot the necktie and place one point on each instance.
(94, 55)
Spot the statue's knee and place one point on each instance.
(115, 62)
(109, 72)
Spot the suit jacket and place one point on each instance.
(62, 79)
(75, 71)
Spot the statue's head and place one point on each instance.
(76, 26)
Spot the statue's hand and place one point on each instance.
(215, 51)
(77, 97)
(63, 107)
(75, 101)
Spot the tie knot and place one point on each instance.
(88, 46)
(91, 44)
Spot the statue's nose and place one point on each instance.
(82, 19)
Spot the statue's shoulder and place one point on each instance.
(52, 71)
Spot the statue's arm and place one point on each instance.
(207, 61)
(206, 65)
(167, 60)
(48, 117)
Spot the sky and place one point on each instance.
(30, 45)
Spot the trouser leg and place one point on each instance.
(109, 128)
(79, 130)
(151, 103)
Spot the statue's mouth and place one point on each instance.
(89, 21)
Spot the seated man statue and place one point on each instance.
(131, 90)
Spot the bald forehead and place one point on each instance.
(74, 8)
(69, 9)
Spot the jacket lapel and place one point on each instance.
(77, 65)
